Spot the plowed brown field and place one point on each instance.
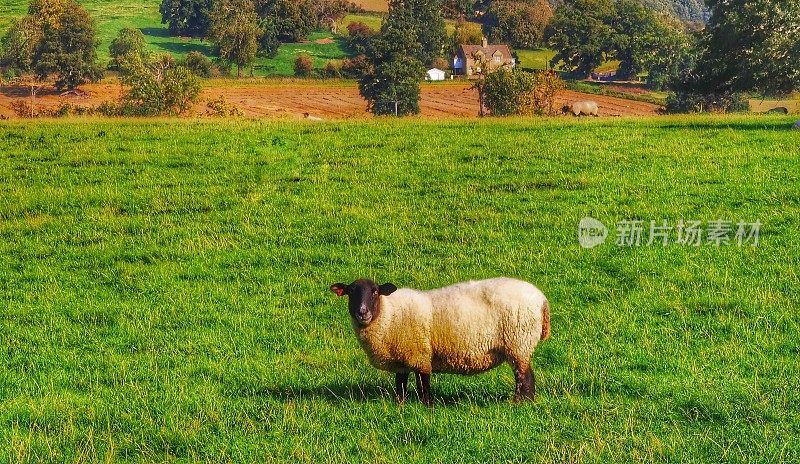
(320, 99)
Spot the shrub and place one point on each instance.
(359, 36)
(502, 89)
(180, 89)
(333, 69)
(128, 40)
(521, 24)
(467, 34)
(542, 99)
(157, 87)
(519, 92)
(23, 109)
(186, 17)
(355, 67)
(691, 102)
(219, 107)
(303, 65)
(109, 108)
(199, 64)
(441, 63)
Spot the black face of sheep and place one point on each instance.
(363, 296)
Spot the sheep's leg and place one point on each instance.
(525, 381)
(424, 388)
(401, 388)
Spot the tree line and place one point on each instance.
(746, 46)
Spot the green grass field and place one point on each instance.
(112, 15)
(164, 297)
(536, 59)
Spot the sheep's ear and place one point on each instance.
(387, 289)
(339, 289)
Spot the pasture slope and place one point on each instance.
(164, 297)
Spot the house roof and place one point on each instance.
(489, 50)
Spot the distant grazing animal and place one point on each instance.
(311, 118)
(779, 110)
(796, 125)
(587, 107)
(465, 328)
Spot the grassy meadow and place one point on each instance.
(163, 287)
(112, 15)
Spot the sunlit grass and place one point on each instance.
(163, 287)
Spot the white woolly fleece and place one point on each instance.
(465, 328)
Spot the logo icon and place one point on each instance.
(591, 232)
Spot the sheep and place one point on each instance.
(587, 107)
(465, 328)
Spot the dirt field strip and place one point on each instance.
(321, 99)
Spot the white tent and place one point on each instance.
(434, 74)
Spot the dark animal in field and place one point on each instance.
(779, 110)
(587, 107)
(796, 125)
(465, 328)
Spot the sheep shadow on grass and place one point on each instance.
(343, 392)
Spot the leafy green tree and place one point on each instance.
(466, 34)
(502, 89)
(268, 42)
(19, 44)
(291, 20)
(68, 49)
(521, 24)
(359, 36)
(16, 57)
(47, 12)
(187, 17)
(586, 32)
(391, 83)
(393, 88)
(157, 86)
(199, 64)
(685, 10)
(128, 40)
(749, 45)
(235, 30)
(429, 27)
(666, 52)
(635, 27)
(458, 9)
(181, 89)
(580, 34)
